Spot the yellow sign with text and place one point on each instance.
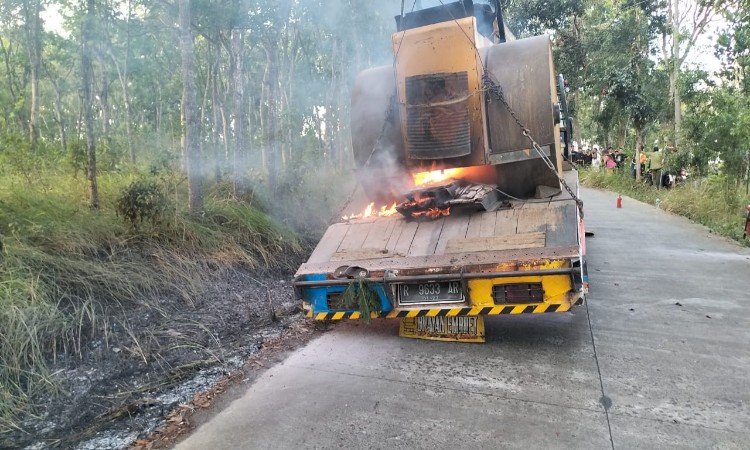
(444, 328)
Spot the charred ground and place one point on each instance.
(126, 384)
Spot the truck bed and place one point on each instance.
(530, 230)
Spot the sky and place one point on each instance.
(53, 19)
(702, 55)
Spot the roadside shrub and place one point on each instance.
(142, 201)
(714, 201)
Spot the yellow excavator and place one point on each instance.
(465, 135)
(437, 106)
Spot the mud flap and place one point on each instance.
(444, 328)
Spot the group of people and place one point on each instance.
(610, 159)
(652, 164)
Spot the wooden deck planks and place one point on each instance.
(374, 241)
(408, 230)
(532, 229)
(475, 225)
(379, 234)
(448, 259)
(454, 228)
(496, 243)
(533, 217)
(426, 237)
(355, 236)
(507, 229)
(398, 226)
(506, 221)
(329, 243)
(362, 254)
(487, 224)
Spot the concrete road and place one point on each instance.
(659, 359)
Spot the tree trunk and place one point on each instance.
(225, 133)
(159, 109)
(88, 116)
(332, 96)
(270, 83)
(675, 76)
(203, 132)
(123, 76)
(60, 119)
(263, 118)
(104, 97)
(33, 28)
(9, 72)
(240, 184)
(125, 94)
(343, 96)
(222, 156)
(190, 125)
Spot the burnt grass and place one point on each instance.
(156, 357)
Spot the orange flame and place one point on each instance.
(421, 178)
(433, 213)
(387, 211)
(371, 210)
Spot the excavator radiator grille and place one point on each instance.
(437, 120)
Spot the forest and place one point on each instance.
(147, 147)
(245, 92)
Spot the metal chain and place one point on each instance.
(495, 89)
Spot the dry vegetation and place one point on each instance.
(71, 276)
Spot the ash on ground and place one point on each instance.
(156, 358)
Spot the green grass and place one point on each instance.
(713, 202)
(67, 270)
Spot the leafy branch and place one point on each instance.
(361, 296)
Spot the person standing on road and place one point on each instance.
(620, 160)
(596, 160)
(610, 163)
(655, 164)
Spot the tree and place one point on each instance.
(684, 27)
(240, 113)
(33, 28)
(88, 116)
(189, 114)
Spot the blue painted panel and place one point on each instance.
(318, 296)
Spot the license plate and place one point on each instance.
(437, 292)
(443, 328)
